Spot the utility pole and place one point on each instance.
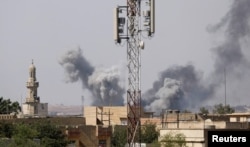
(128, 27)
(225, 80)
(82, 106)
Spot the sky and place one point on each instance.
(45, 30)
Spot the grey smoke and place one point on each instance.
(231, 55)
(169, 95)
(76, 67)
(178, 87)
(103, 84)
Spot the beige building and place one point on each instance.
(239, 117)
(32, 107)
(111, 115)
(105, 115)
(196, 126)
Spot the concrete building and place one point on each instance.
(105, 115)
(110, 115)
(32, 107)
(196, 126)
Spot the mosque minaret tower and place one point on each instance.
(32, 106)
(32, 86)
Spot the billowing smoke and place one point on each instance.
(232, 55)
(229, 54)
(178, 87)
(103, 84)
(76, 67)
(182, 87)
(169, 95)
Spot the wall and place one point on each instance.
(29, 109)
(42, 109)
(194, 124)
(90, 115)
(104, 114)
(7, 116)
(194, 137)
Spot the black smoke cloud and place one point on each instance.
(103, 84)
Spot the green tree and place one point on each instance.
(32, 135)
(119, 137)
(220, 109)
(24, 135)
(174, 140)
(50, 135)
(6, 129)
(7, 107)
(149, 134)
(203, 110)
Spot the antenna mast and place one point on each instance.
(225, 80)
(82, 107)
(132, 34)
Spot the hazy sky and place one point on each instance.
(44, 30)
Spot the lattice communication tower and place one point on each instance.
(128, 26)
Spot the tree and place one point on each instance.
(220, 109)
(7, 107)
(33, 135)
(6, 130)
(119, 137)
(149, 134)
(204, 111)
(50, 135)
(24, 135)
(174, 140)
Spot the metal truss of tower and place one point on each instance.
(134, 65)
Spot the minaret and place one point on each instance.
(32, 85)
(32, 107)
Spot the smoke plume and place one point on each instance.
(182, 87)
(232, 55)
(103, 84)
(229, 54)
(178, 87)
(76, 67)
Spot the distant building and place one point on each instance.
(110, 115)
(32, 107)
(105, 115)
(195, 127)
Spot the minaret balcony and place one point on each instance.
(32, 84)
(30, 100)
(33, 100)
